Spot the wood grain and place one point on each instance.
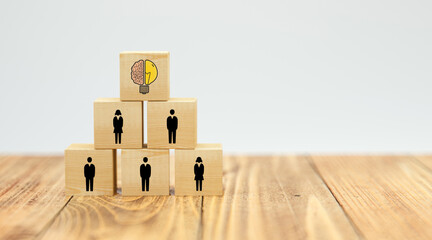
(387, 197)
(31, 194)
(121, 217)
(158, 217)
(266, 197)
(273, 198)
(425, 160)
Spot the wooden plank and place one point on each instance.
(116, 217)
(31, 194)
(273, 198)
(387, 197)
(426, 160)
(119, 217)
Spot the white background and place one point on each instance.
(270, 76)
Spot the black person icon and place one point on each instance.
(199, 173)
(89, 174)
(145, 173)
(118, 126)
(172, 124)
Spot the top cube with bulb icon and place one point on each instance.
(144, 76)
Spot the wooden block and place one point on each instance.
(188, 170)
(83, 160)
(145, 172)
(118, 124)
(144, 76)
(177, 114)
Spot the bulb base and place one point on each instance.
(144, 89)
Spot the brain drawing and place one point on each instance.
(137, 72)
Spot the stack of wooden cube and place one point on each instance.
(118, 124)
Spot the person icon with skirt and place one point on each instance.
(118, 126)
(199, 173)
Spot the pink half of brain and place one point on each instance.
(137, 72)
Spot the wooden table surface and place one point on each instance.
(265, 197)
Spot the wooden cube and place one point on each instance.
(199, 171)
(118, 124)
(172, 124)
(145, 172)
(89, 171)
(144, 76)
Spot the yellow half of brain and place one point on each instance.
(151, 72)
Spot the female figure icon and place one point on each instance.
(199, 173)
(118, 126)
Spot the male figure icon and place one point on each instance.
(118, 126)
(172, 124)
(145, 173)
(89, 174)
(199, 173)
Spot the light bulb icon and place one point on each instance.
(143, 73)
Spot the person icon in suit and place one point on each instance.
(145, 173)
(89, 174)
(199, 173)
(172, 124)
(118, 126)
